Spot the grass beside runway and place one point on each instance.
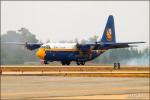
(76, 71)
(144, 75)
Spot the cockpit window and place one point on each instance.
(46, 47)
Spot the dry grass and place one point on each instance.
(71, 68)
(77, 71)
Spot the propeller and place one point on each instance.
(82, 51)
(29, 46)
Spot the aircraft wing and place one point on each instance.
(121, 45)
(106, 45)
(110, 45)
(29, 46)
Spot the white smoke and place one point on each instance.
(141, 61)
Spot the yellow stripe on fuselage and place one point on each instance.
(42, 51)
(60, 49)
(65, 49)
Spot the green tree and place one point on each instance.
(17, 54)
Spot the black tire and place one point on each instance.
(63, 63)
(45, 62)
(82, 63)
(68, 63)
(78, 63)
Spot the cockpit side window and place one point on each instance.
(46, 47)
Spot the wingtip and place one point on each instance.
(143, 42)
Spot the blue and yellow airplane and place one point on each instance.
(80, 53)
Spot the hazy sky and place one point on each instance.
(67, 20)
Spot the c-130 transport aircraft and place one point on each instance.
(80, 53)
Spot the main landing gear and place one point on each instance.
(44, 62)
(68, 62)
(80, 63)
(65, 62)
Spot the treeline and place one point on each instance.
(17, 54)
(14, 54)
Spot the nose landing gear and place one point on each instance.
(45, 62)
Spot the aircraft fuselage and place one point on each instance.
(66, 52)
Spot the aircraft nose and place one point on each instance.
(41, 53)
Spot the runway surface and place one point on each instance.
(45, 87)
(80, 82)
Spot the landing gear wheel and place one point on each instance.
(78, 63)
(65, 63)
(68, 63)
(82, 63)
(45, 62)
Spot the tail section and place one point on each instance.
(109, 32)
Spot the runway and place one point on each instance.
(74, 82)
(45, 87)
(76, 71)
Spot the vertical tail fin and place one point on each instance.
(109, 32)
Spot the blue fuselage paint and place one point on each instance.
(71, 55)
